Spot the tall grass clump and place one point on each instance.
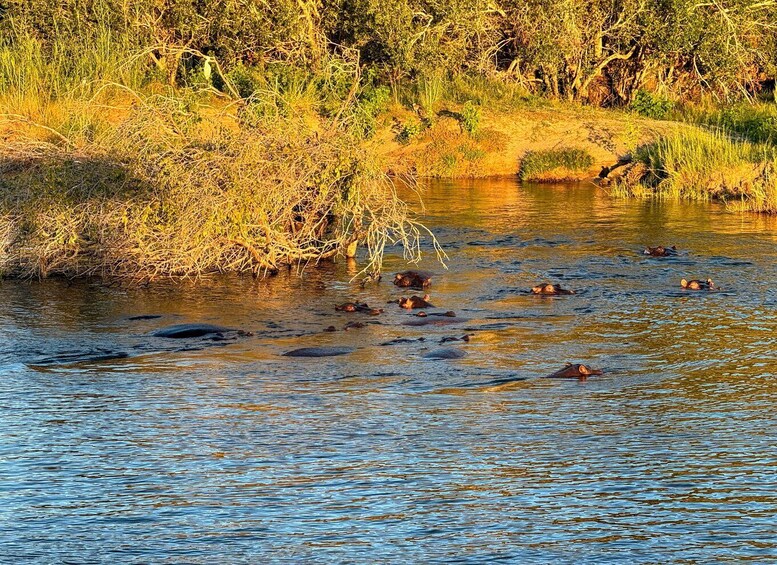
(755, 122)
(34, 74)
(699, 164)
(555, 165)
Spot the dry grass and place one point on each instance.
(178, 186)
(106, 169)
(446, 150)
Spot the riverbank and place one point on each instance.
(507, 141)
(166, 182)
(726, 154)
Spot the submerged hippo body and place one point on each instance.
(181, 331)
(435, 321)
(698, 285)
(660, 251)
(318, 352)
(413, 279)
(574, 371)
(77, 357)
(415, 302)
(547, 289)
(445, 353)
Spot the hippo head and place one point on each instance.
(544, 288)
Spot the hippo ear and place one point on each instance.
(684, 283)
(584, 370)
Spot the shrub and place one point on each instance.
(470, 117)
(372, 102)
(409, 130)
(651, 105)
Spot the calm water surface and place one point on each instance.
(200, 452)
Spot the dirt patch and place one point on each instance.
(445, 150)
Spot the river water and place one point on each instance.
(194, 451)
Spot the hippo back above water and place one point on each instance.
(574, 371)
(181, 331)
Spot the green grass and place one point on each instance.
(701, 164)
(75, 68)
(755, 122)
(555, 165)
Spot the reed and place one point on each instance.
(702, 164)
(756, 122)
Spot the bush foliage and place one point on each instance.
(598, 51)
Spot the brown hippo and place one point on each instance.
(547, 289)
(576, 371)
(450, 338)
(698, 285)
(358, 307)
(660, 251)
(413, 279)
(415, 302)
(354, 326)
(350, 307)
(448, 314)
